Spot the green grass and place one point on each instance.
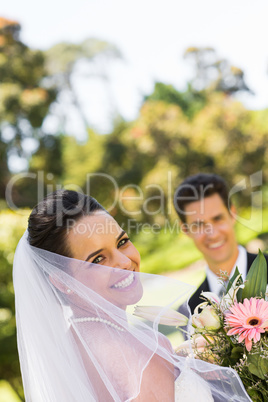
(253, 225)
(7, 394)
(168, 252)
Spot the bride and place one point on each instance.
(76, 279)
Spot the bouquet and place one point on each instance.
(231, 331)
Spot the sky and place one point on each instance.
(152, 36)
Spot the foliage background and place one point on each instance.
(176, 134)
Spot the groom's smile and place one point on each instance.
(211, 226)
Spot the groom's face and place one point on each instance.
(211, 226)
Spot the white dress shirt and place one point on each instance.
(213, 280)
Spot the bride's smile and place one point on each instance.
(124, 283)
(98, 240)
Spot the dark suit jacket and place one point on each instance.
(204, 287)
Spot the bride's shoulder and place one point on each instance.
(165, 342)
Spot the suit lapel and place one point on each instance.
(250, 259)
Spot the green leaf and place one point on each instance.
(237, 352)
(258, 366)
(233, 278)
(239, 295)
(256, 396)
(256, 279)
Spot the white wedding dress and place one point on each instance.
(190, 387)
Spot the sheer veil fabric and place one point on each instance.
(78, 339)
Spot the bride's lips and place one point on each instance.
(125, 283)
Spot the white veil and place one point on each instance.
(79, 340)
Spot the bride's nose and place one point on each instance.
(122, 261)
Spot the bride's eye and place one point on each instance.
(122, 242)
(97, 259)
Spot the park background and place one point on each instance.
(145, 93)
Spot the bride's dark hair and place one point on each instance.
(51, 218)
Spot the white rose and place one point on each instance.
(207, 319)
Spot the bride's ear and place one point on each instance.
(60, 286)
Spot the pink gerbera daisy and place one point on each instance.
(248, 320)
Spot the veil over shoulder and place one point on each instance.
(79, 341)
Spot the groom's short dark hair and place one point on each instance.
(197, 187)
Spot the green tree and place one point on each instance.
(232, 136)
(46, 166)
(68, 62)
(190, 101)
(25, 98)
(223, 137)
(36, 81)
(11, 229)
(213, 73)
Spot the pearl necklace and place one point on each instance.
(96, 319)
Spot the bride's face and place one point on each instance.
(99, 240)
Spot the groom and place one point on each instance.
(208, 218)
